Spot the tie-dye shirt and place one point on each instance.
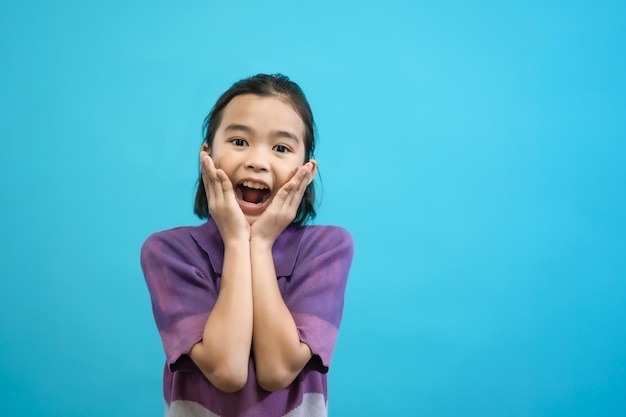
(182, 268)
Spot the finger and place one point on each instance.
(313, 164)
(227, 186)
(210, 177)
(207, 168)
(208, 165)
(219, 177)
(308, 176)
(291, 192)
(302, 179)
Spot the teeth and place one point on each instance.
(254, 185)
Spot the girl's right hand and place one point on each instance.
(223, 206)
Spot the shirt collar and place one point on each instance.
(285, 250)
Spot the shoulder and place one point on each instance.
(175, 241)
(174, 235)
(305, 244)
(327, 236)
(334, 241)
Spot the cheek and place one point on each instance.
(226, 164)
(218, 160)
(217, 153)
(287, 172)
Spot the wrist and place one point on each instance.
(236, 242)
(261, 243)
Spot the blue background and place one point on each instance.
(476, 151)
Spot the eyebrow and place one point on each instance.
(277, 133)
(237, 127)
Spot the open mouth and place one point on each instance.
(252, 192)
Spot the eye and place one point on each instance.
(281, 148)
(239, 142)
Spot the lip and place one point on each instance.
(251, 208)
(254, 180)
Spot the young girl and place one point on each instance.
(248, 304)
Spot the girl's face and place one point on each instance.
(259, 144)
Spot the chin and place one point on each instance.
(251, 219)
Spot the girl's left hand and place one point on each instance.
(284, 206)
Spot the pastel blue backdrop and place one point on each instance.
(476, 151)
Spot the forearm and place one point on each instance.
(279, 354)
(224, 352)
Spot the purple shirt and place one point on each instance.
(183, 267)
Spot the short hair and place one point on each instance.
(264, 85)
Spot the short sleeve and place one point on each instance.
(182, 289)
(315, 292)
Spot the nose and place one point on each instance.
(257, 160)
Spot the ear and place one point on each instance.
(205, 147)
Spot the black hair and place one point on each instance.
(263, 85)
